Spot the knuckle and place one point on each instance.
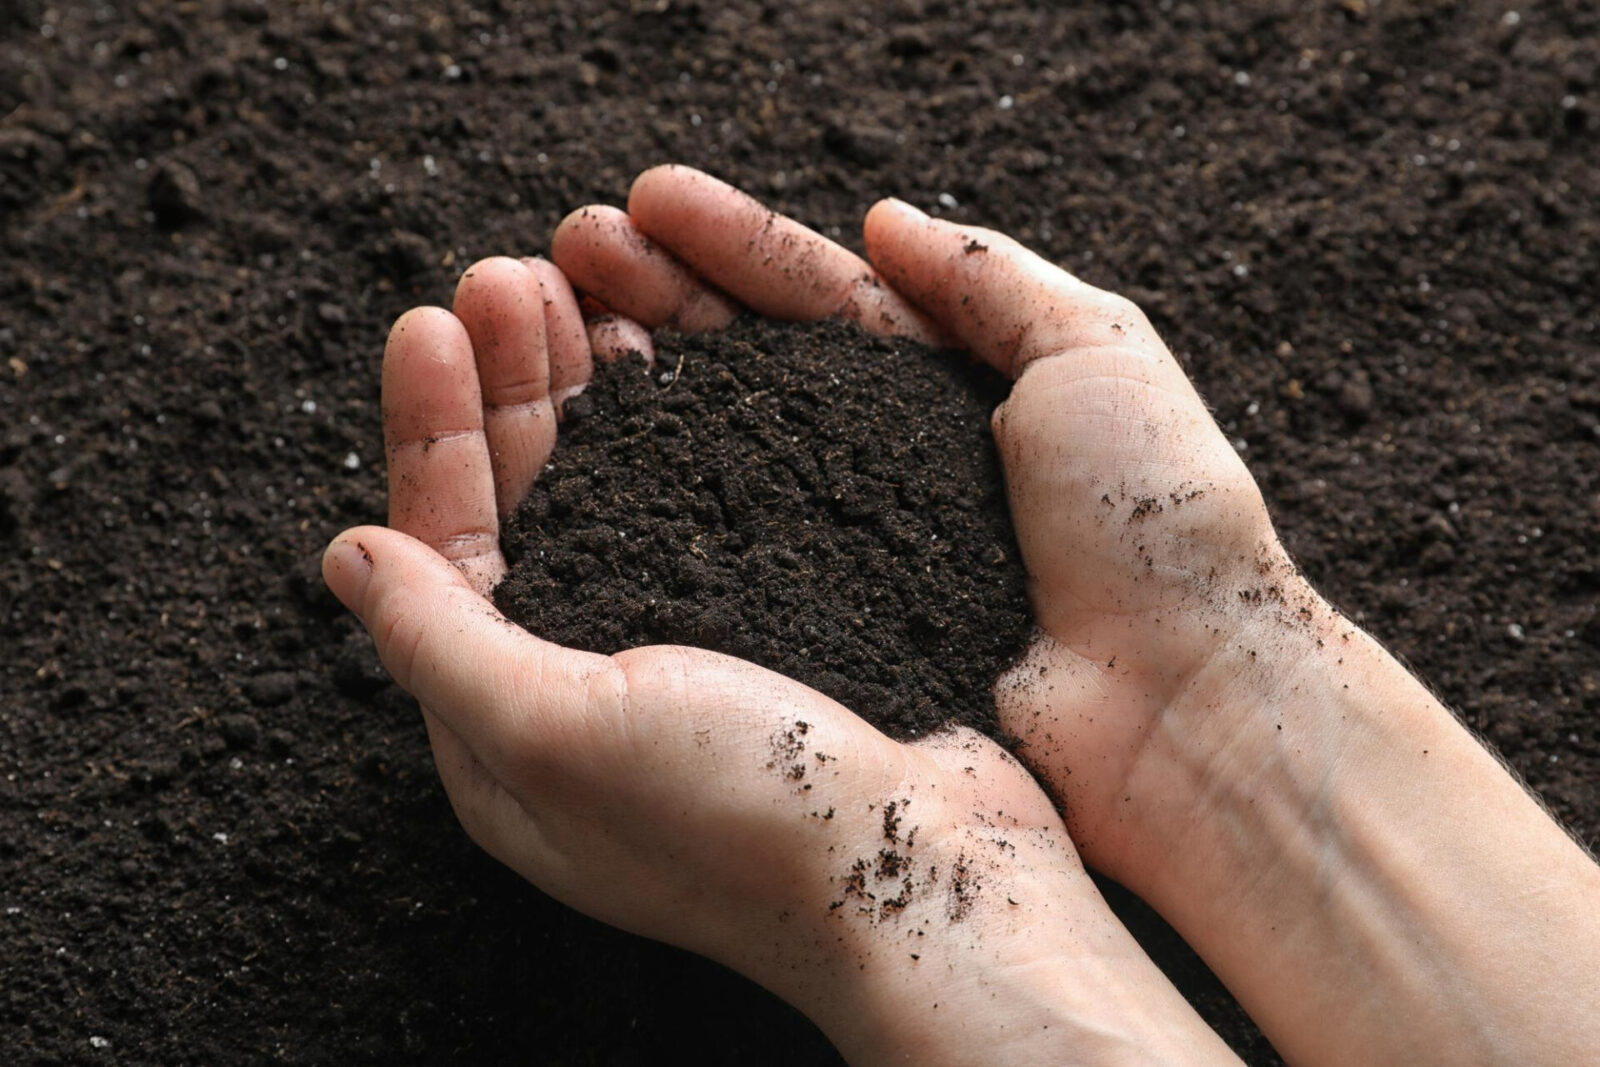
(1122, 310)
(999, 421)
(468, 546)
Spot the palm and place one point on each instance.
(1121, 489)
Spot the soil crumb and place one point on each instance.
(819, 501)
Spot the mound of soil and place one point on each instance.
(824, 503)
(1371, 231)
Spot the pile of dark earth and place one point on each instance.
(1370, 231)
(824, 503)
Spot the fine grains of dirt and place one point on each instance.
(821, 502)
(1370, 231)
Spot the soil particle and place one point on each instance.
(174, 194)
(891, 864)
(271, 689)
(239, 730)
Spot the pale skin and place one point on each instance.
(1367, 879)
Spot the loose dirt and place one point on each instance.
(1369, 230)
(821, 502)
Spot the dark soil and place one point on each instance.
(1370, 230)
(826, 504)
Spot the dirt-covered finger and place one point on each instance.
(999, 300)
(614, 336)
(501, 303)
(521, 704)
(566, 338)
(603, 254)
(441, 480)
(767, 261)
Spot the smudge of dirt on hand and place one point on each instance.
(892, 814)
(863, 882)
(963, 890)
(788, 749)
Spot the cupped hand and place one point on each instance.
(695, 798)
(1147, 544)
(1326, 835)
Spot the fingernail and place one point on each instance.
(347, 569)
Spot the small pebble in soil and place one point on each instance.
(270, 689)
(173, 193)
(822, 502)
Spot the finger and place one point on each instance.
(501, 304)
(770, 263)
(571, 364)
(441, 481)
(520, 704)
(613, 336)
(1000, 301)
(599, 249)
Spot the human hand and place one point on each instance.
(678, 793)
(1224, 742)
(1138, 523)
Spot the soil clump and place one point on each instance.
(822, 502)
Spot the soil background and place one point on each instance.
(1368, 228)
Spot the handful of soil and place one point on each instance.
(822, 502)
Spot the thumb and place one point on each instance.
(1002, 302)
(515, 700)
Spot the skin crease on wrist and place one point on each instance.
(1366, 878)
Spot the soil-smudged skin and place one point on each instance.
(819, 501)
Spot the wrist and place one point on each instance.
(1295, 707)
(1322, 806)
(1022, 979)
(1056, 1004)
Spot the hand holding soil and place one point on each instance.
(1220, 740)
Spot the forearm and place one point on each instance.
(1337, 817)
